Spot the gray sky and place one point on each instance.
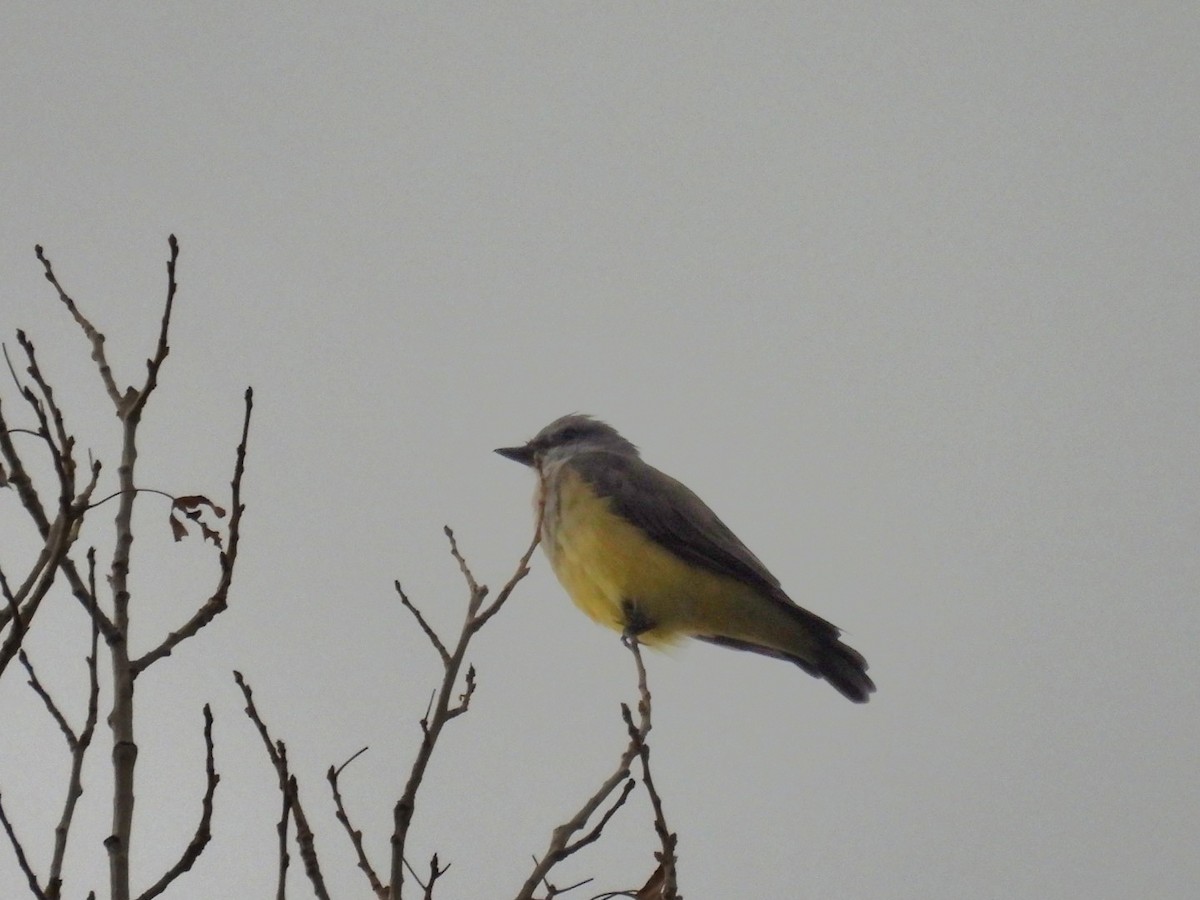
(907, 294)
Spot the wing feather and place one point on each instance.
(674, 517)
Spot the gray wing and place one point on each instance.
(674, 517)
(682, 523)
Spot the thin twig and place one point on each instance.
(54, 555)
(306, 841)
(555, 891)
(28, 597)
(435, 872)
(481, 618)
(49, 703)
(464, 699)
(22, 861)
(637, 734)
(89, 330)
(356, 836)
(59, 443)
(472, 584)
(14, 608)
(277, 753)
(79, 750)
(561, 845)
(425, 627)
(203, 833)
(281, 828)
(594, 834)
(162, 349)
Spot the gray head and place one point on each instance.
(570, 434)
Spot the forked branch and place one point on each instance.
(277, 753)
(446, 706)
(564, 840)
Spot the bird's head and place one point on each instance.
(568, 435)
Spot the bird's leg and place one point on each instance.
(636, 621)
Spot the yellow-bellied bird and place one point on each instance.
(639, 552)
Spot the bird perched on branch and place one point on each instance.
(639, 552)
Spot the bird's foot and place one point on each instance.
(636, 622)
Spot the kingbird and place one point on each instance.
(639, 552)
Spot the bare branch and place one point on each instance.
(19, 478)
(28, 597)
(14, 608)
(306, 843)
(24, 603)
(561, 845)
(218, 602)
(87, 594)
(121, 714)
(59, 443)
(281, 828)
(22, 861)
(252, 712)
(57, 536)
(429, 632)
(594, 834)
(89, 330)
(555, 891)
(522, 570)
(79, 750)
(277, 752)
(53, 709)
(464, 699)
(435, 872)
(130, 405)
(160, 352)
(472, 584)
(442, 710)
(637, 734)
(356, 836)
(203, 832)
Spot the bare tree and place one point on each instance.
(110, 616)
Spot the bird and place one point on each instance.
(639, 552)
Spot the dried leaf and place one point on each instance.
(192, 507)
(194, 501)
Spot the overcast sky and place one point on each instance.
(910, 294)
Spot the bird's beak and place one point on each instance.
(523, 455)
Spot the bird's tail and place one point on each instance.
(844, 668)
(816, 647)
(811, 643)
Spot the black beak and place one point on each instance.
(523, 455)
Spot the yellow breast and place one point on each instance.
(602, 560)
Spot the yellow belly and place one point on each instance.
(602, 560)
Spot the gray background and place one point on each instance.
(907, 293)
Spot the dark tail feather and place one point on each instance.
(822, 654)
(840, 665)
(845, 668)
